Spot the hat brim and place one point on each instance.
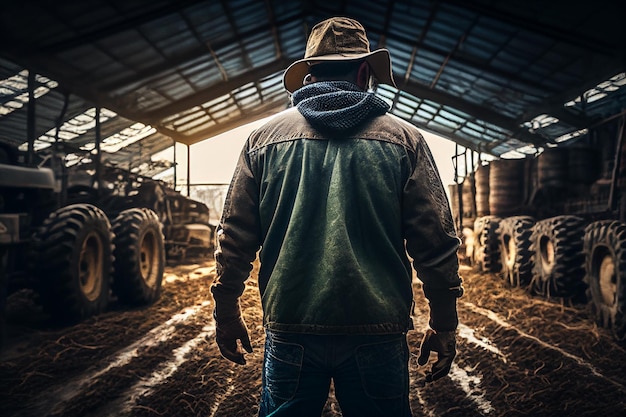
(379, 61)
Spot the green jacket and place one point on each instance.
(334, 218)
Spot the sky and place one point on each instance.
(213, 160)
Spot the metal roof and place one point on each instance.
(495, 76)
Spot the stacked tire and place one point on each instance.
(605, 249)
(557, 243)
(482, 191)
(505, 187)
(514, 234)
(486, 254)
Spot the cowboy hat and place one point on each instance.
(338, 39)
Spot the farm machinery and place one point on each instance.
(80, 236)
(554, 223)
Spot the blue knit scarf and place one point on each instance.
(337, 106)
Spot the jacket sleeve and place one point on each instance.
(238, 239)
(431, 239)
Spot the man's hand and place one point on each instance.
(444, 343)
(226, 336)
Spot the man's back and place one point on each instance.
(335, 192)
(330, 206)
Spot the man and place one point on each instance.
(335, 191)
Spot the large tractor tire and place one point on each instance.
(75, 262)
(559, 260)
(516, 256)
(605, 266)
(486, 255)
(139, 256)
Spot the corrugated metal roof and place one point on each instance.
(497, 77)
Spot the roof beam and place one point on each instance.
(142, 16)
(555, 105)
(260, 112)
(482, 113)
(216, 91)
(535, 26)
(463, 61)
(274, 26)
(108, 128)
(180, 60)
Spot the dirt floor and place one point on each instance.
(517, 356)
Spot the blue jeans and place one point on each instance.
(370, 375)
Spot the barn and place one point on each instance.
(95, 93)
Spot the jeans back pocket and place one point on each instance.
(281, 368)
(384, 368)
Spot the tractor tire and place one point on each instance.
(73, 271)
(557, 244)
(485, 254)
(139, 257)
(605, 249)
(516, 257)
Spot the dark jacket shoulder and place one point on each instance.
(290, 125)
